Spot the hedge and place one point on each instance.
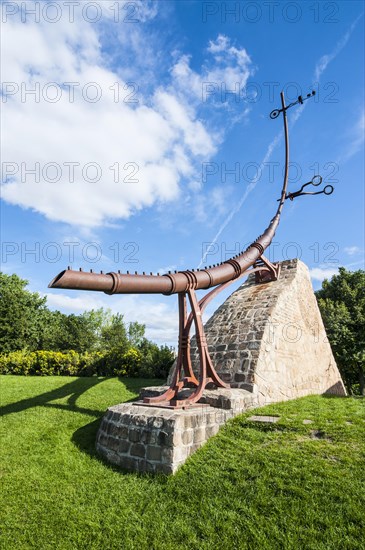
(71, 363)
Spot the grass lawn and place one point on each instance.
(252, 486)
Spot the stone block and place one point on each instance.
(154, 453)
(134, 435)
(199, 435)
(264, 419)
(123, 446)
(163, 438)
(129, 463)
(167, 455)
(138, 449)
(188, 436)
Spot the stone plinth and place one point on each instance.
(154, 439)
(267, 340)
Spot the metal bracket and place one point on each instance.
(266, 271)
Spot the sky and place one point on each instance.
(137, 136)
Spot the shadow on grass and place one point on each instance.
(74, 389)
(84, 438)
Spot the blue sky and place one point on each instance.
(136, 136)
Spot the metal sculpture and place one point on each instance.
(185, 283)
(316, 180)
(276, 112)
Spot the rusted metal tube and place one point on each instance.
(171, 283)
(81, 280)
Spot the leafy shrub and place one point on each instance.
(16, 362)
(116, 362)
(131, 361)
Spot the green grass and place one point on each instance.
(250, 487)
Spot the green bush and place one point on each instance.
(116, 362)
(131, 361)
(44, 363)
(16, 362)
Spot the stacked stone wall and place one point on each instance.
(269, 339)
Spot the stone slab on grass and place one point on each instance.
(266, 419)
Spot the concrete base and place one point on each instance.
(154, 439)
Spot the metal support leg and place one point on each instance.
(207, 372)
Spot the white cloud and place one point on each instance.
(352, 250)
(227, 70)
(155, 145)
(319, 274)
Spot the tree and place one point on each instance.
(156, 361)
(21, 312)
(136, 333)
(53, 335)
(114, 335)
(97, 319)
(69, 332)
(342, 304)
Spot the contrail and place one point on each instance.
(324, 61)
(250, 188)
(320, 67)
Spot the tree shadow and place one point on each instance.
(74, 389)
(83, 438)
